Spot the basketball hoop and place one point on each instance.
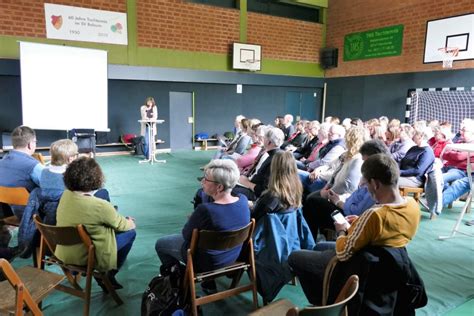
(448, 54)
(252, 64)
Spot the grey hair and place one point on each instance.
(275, 136)
(223, 171)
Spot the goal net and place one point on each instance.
(451, 106)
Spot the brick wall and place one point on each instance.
(26, 17)
(285, 39)
(349, 16)
(176, 24)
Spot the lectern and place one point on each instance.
(151, 127)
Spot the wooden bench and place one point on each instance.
(204, 143)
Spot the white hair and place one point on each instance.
(275, 136)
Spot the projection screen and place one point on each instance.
(63, 87)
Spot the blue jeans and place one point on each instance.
(325, 245)
(308, 185)
(455, 190)
(124, 244)
(146, 147)
(169, 249)
(451, 174)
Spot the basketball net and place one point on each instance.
(252, 64)
(448, 54)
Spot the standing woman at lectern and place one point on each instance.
(149, 111)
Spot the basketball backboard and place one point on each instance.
(455, 31)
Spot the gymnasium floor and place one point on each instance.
(159, 198)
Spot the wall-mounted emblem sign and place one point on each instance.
(86, 25)
(377, 43)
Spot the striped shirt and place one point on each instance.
(389, 225)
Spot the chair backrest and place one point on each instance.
(14, 196)
(214, 240)
(345, 295)
(65, 236)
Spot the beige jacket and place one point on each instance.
(143, 117)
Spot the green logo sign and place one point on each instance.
(377, 43)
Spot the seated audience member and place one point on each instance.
(239, 144)
(280, 227)
(284, 191)
(322, 139)
(457, 136)
(111, 233)
(384, 121)
(279, 122)
(256, 182)
(44, 200)
(343, 173)
(392, 222)
(317, 210)
(399, 148)
(442, 137)
(18, 168)
(296, 139)
(226, 212)
(332, 150)
(288, 127)
(346, 123)
(455, 178)
(334, 120)
(246, 160)
(311, 130)
(380, 133)
(237, 127)
(370, 125)
(417, 162)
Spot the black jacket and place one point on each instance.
(388, 282)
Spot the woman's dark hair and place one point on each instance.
(372, 147)
(83, 174)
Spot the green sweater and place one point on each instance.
(101, 222)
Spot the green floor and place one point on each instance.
(159, 198)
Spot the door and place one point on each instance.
(181, 120)
(303, 105)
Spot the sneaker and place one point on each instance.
(470, 223)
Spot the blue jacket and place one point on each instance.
(40, 203)
(359, 201)
(417, 162)
(277, 235)
(16, 169)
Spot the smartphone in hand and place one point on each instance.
(339, 218)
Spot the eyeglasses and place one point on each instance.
(206, 179)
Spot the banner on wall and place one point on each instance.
(86, 25)
(376, 43)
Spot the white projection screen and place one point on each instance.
(63, 87)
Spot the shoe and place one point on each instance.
(112, 280)
(470, 223)
(209, 287)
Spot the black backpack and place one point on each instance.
(138, 143)
(164, 294)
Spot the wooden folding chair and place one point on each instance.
(212, 240)
(13, 196)
(26, 287)
(405, 191)
(285, 307)
(68, 236)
